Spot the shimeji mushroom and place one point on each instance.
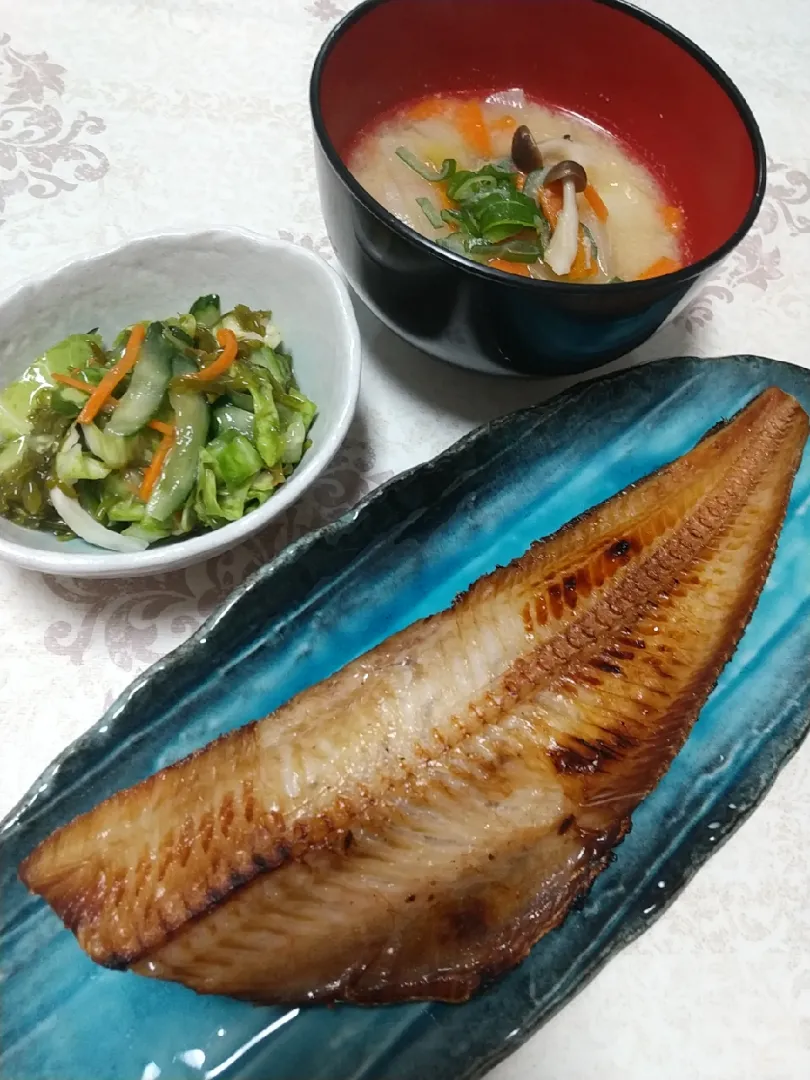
(525, 152)
(562, 249)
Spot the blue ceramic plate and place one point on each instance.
(402, 554)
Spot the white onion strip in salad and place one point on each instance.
(84, 525)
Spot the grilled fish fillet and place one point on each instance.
(412, 825)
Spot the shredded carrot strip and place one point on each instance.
(427, 108)
(163, 428)
(504, 123)
(86, 388)
(150, 477)
(229, 344)
(114, 376)
(511, 267)
(595, 203)
(673, 218)
(661, 266)
(520, 181)
(111, 402)
(470, 122)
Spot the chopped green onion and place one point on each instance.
(500, 215)
(431, 213)
(472, 186)
(526, 251)
(594, 248)
(427, 172)
(455, 243)
(465, 184)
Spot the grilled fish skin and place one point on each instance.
(411, 826)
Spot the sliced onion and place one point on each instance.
(510, 99)
(454, 242)
(534, 181)
(601, 240)
(427, 172)
(79, 521)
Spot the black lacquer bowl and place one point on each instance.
(627, 71)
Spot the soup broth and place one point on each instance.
(625, 229)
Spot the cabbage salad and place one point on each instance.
(182, 425)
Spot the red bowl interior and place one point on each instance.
(584, 56)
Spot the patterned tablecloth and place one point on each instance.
(124, 116)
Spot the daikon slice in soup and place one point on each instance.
(521, 187)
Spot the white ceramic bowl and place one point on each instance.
(157, 276)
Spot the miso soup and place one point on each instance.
(521, 187)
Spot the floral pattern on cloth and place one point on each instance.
(758, 260)
(327, 11)
(42, 151)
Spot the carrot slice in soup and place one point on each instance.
(504, 123)
(470, 122)
(595, 202)
(520, 268)
(442, 198)
(661, 266)
(427, 108)
(673, 218)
